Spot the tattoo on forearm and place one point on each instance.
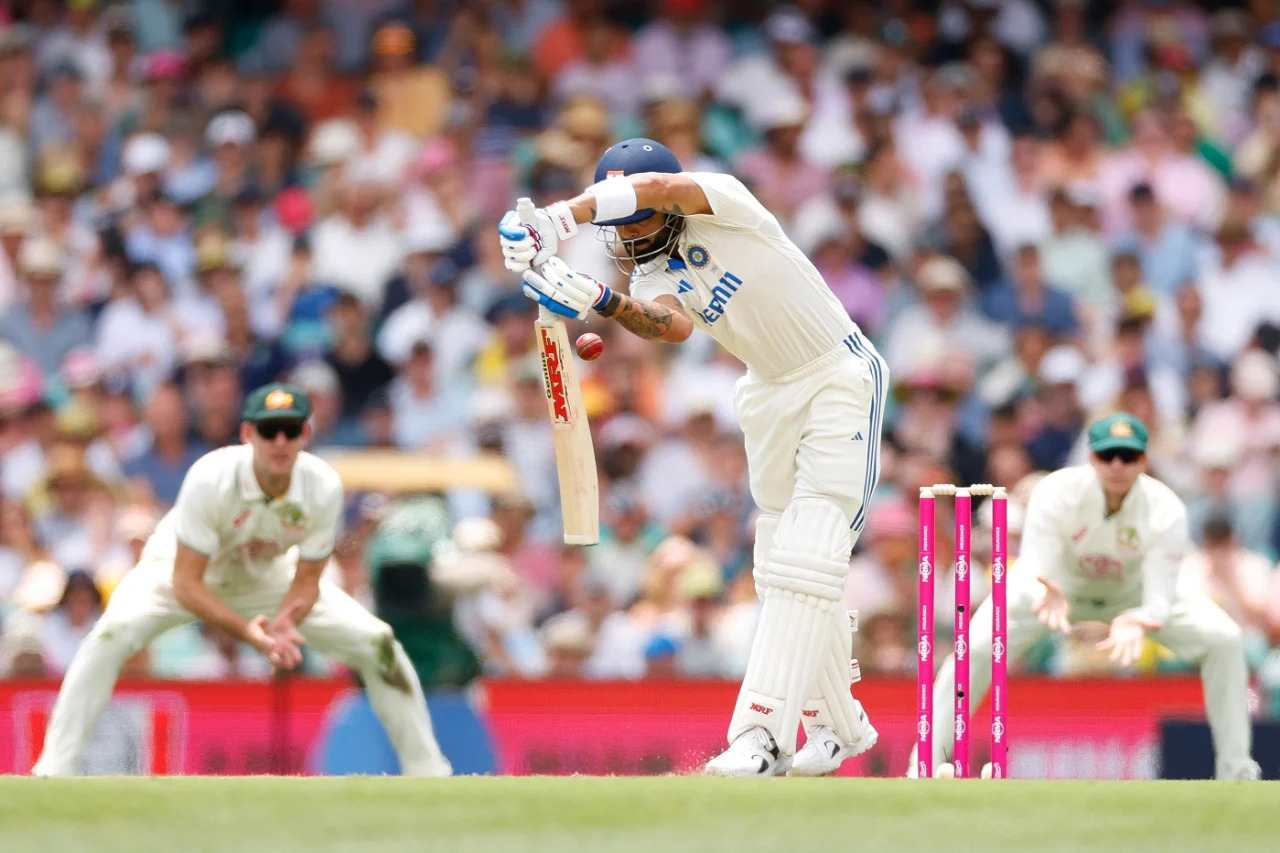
(646, 319)
(675, 209)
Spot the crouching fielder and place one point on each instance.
(1103, 543)
(250, 533)
(707, 254)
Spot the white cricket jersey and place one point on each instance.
(743, 281)
(1131, 555)
(222, 512)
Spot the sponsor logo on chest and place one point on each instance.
(706, 289)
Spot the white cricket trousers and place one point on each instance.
(816, 432)
(144, 606)
(1198, 630)
(812, 439)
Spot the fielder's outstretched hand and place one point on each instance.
(1124, 642)
(288, 639)
(1052, 608)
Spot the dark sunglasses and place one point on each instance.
(1126, 455)
(270, 429)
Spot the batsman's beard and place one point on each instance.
(634, 251)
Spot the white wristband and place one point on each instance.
(615, 198)
(562, 219)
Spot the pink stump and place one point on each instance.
(924, 639)
(963, 518)
(999, 636)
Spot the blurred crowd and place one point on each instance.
(1039, 210)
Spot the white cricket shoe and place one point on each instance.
(435, 767)
(824, 752)
(753, 754)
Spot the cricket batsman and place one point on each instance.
(249, 535)
(705, 253)
(1101, 548)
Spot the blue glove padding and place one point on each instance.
(562, 290)
(548, 303)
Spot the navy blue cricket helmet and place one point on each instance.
(633, 157)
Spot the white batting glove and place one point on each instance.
(528, 245)
(563, 291)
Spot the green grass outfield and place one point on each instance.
(653, 815)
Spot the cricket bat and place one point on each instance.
(575, 453)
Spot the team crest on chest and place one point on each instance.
(291, 515)
(698, 256)
(1129, 538)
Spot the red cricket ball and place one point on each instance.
(589, 346)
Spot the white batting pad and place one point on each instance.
(830, 703)
(802, 583)
(766, 527)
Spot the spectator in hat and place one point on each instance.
(537, 563)
(627, 536)
(230, 139)
(170, 448)
(17, 219)
(72, 510)
(211, 382)
(410, 97)
(361, 371)
(944, 324)
(510, 345)
(42, 327)
(356, 248)
(781, 176)
(328, 427)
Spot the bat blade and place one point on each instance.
(574, 450)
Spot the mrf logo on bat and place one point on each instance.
(554, 377)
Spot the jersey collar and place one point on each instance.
(251, 492)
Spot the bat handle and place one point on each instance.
(525, 209)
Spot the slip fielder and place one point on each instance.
(705, 253)
(250, 534)
(1102, 545)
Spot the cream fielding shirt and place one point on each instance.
(222, 512)
(1132, 555)
(743, 281)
